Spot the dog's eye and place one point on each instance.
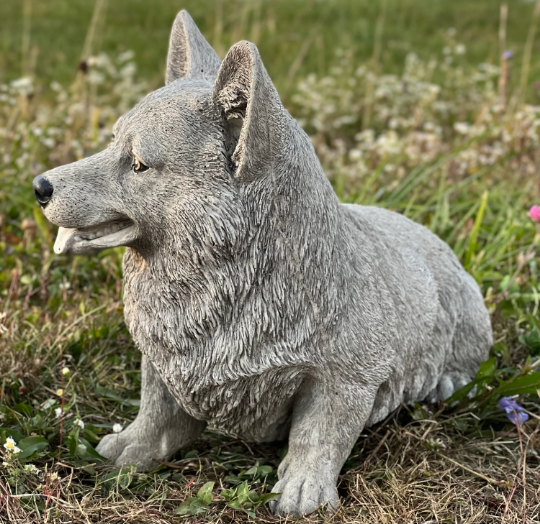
(138, 166)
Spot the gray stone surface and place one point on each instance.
(261, 305)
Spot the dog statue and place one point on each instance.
(260, 304)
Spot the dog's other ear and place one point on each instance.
(256, 119)
(189, 53)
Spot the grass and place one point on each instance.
(435, 136)
(295, 37)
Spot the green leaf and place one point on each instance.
(89, 469)
(185, 507)
(42, 224)
(531, 340)
(265, 470)
(235, 504)
(30, 445)
(525, 384)
(205, 493)
(48, 403)
(72, 445)
(198, 506)
(253, 470)
(91, 452)
(229, 494)
(487, 368)
(23, 409)
(265, 497)
(232, 479)
(120, 478)
(243, 492)
(91, 435)
(462, 392)
(192, 506)
(475, 230)
(7, 432)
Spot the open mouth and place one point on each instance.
(86, 240)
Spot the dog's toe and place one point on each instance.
(300, 496)
(143, 457)
(111, 446)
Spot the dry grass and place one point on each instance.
(402, 478)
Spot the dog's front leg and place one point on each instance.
(328, 416)
(160, 429)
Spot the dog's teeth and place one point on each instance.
(105, 231)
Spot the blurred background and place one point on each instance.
(48, 38)
(427, 107)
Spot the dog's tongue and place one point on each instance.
(62, 243)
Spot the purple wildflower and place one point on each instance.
(507, 55)
(513, 410)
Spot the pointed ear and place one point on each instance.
(254, 113)
(189, 53)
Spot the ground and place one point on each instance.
(411, 107)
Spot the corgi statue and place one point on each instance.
(261, 305)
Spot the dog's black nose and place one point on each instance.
(43, 190)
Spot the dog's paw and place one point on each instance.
(111, 446)
(301, 495)
(129, 448)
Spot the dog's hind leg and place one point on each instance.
(473, 337)
(160, 429)
(328, 416)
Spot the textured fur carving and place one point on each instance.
(261, 305)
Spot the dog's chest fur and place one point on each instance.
(222, 370)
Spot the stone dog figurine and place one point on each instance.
(261, 305)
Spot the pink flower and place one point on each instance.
(534, 213)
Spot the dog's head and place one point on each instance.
(180, 160)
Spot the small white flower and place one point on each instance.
(11, 446)
(58, 412)
(50, 143)
(64, 286)
(462, 128)
(65, 371)
(5, 464)
(79, 422)
(31, 468)
(125, 56)
(54, 476)
(117, 428)
(22, 86)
